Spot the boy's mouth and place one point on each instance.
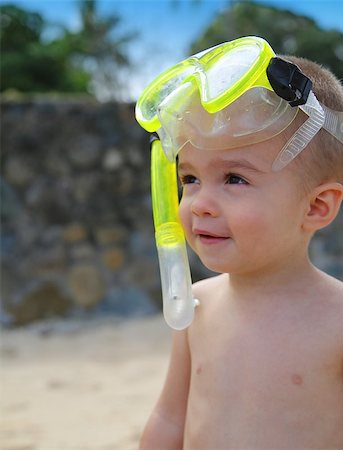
(207, 237)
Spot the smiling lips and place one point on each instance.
(209, 238)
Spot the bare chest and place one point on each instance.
(266, 384)
(284, 368)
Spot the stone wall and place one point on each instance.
(76, 227)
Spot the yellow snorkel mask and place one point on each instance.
(231, 95)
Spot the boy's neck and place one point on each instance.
(273, 284)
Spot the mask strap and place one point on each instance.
(333, 123)
(303, 135)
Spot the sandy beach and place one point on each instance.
(80, 384)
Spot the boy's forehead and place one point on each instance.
(256, 156)
(219, 163)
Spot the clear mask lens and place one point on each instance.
(150, 105)
(256, 116)
(228, 70)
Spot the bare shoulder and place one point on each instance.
(210, 294)
(204, 288)
(332, 288)
(330, 295)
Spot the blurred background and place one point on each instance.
(76, 234)
(76, 229)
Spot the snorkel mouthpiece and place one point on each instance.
(178, 303)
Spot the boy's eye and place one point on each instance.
(235, 179)
(188, 179)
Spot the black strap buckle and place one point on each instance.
(288, 81)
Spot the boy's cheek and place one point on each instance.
(184, 214)
(185, 217)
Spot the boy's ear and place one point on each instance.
(324, 204)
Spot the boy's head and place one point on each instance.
(322, 159)
(239, 99)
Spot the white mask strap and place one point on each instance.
(303, 135)
(333, 123)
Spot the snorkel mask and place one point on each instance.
(235, 94)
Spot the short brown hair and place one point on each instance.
(323, 158)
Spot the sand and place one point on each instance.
(80, 385)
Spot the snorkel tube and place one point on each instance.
(178, 303)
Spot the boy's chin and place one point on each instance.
(217, 266)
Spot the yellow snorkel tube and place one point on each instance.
(178, 303)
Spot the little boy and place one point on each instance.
(261, 366)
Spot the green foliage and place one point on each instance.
(286, 32)
(73, 62)
(30, 65)
(39, 71)
(19, 28)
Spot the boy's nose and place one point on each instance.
(204, 204)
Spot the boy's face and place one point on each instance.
(238, 215)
